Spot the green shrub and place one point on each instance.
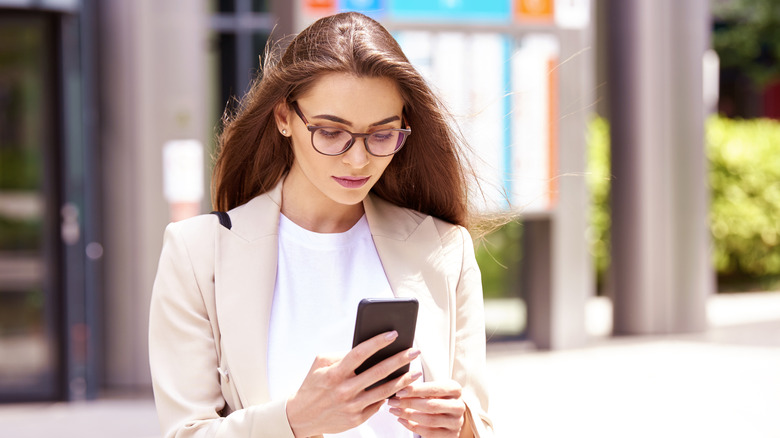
(744, 159)
(498, 256)
(598, 178)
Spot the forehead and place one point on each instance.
(357, 99)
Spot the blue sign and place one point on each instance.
(368, 7)
(449, 10)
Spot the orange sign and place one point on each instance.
(320, 5)
(535, 10)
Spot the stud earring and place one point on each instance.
(284, 132)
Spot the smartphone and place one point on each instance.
(376, 316)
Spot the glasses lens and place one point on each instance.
(330, 140)
(386, 142)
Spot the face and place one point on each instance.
(340, 100)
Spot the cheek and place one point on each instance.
(383, 165)
(313, 164)
(297, 142)
(302, 152)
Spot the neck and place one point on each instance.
(317, 213)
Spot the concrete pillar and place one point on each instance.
(557, 272)
(661, 273)
(153, 89)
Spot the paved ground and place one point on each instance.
(723, 383)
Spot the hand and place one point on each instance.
(332, 398)
(430, 409)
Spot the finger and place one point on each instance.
(437, 421)
(428, 432)
(436, 389)
(366, 349)
(409, 425)
(454, 407)
(386, 390)
(386, 368)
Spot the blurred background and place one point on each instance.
(637, 142)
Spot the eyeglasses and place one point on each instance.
(335, 141)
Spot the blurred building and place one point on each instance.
(90, 92)
(96, 96)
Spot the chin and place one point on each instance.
(353, 198)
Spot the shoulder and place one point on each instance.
(194, 226)
(191, 239)
(257, 218)
(390, 220)
(192, 230)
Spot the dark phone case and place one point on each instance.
(376, 316)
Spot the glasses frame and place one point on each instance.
(355, 135)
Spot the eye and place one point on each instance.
(383, 135)
(329, 133)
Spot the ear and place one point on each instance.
(282, 118)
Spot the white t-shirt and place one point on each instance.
(320, 279)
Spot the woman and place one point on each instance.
(342, 180)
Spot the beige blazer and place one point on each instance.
(211, 304)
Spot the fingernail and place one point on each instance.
(416, 375)
(391, 335)
(394, 402)
(414, 353)
(395, 411)
(402, 393)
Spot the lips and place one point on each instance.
(351, 182)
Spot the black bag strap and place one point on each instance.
(224, 219)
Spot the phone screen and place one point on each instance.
(377, 316)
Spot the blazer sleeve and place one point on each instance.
(184, 345)
(470, 368)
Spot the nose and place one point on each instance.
(357, 156)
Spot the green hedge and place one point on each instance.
(744, 158)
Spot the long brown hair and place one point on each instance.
(428, 175)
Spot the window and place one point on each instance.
(29, 279)
(241, 30)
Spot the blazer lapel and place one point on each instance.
(409, 248)
(245, 277)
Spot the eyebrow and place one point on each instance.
(348, 123)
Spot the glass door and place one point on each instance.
(30, 285)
